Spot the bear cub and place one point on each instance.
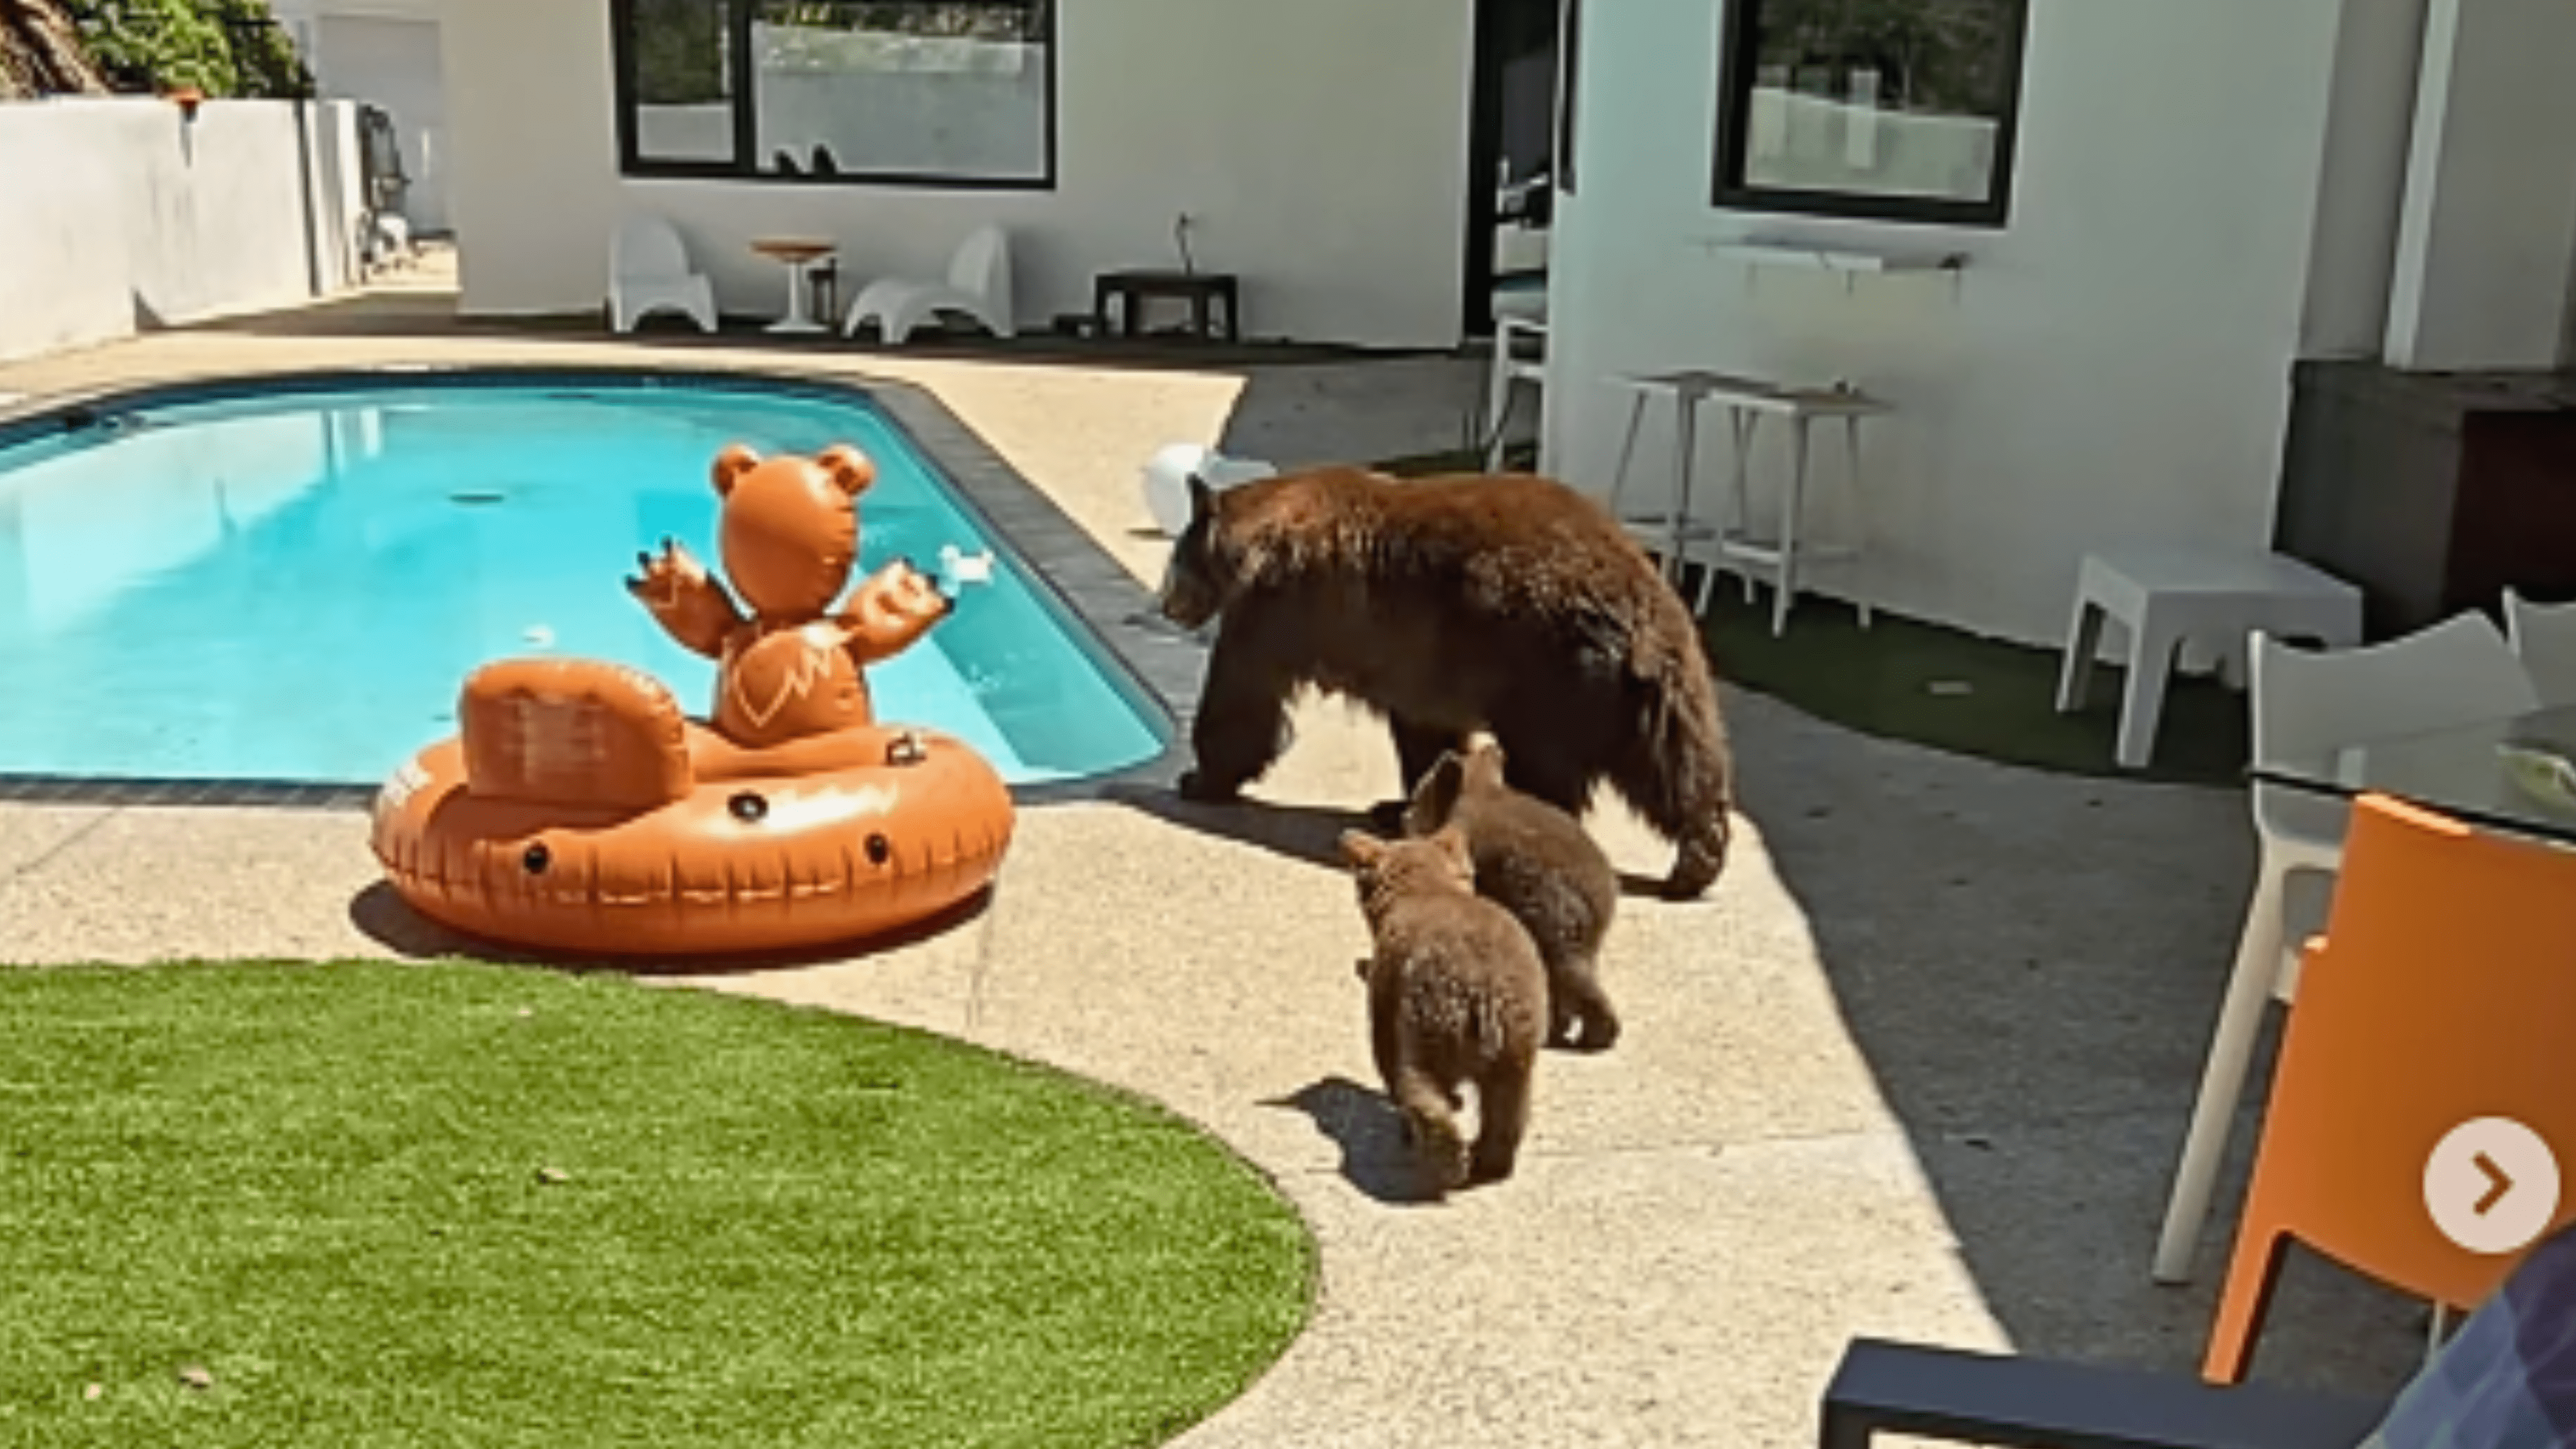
(1538, 863)
(1456, 995)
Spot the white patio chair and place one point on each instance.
(649, 272)
(1511, 363)
(2544, 639)
(979, 285)
(2305, 704)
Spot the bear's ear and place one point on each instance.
(1361, 848)
(1453, 844)
(849, 467)
(736, 460)
(1485, 766)
(1437, 795)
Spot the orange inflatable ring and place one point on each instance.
(579, 809)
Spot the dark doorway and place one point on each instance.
(1511, 151)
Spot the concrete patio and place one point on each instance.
(1918, 1067)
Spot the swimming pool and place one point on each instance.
(286, 580)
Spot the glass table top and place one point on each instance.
(2516, 773)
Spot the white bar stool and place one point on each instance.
(1510, 365)
(1747, 401)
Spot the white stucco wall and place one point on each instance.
(1321, 145)
(2113, 365)
(2489, 221)
(120, 213)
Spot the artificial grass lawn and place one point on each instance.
(452, 1204)
(1904, 679)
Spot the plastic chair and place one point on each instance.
(2306, 703)
(2544, 639)
(1511, 364)
(979, 285)
(649, 272)
(2440, 994)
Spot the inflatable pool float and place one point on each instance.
(578, 807)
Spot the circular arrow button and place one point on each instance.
(2491, 1185)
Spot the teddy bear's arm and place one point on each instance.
(690, 604)
(890, 610)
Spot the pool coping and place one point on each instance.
(1152, 665)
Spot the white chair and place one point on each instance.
(649, 272)
(2544, 639)
(979, 285)
(2305, 704)
(1511, 364)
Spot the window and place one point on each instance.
(920, 92)
(1902, 110)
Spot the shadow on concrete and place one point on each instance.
(2031, 965)
(388, 920)
(1302, 404)
(1309, 834)
(395, 312)
(1365, 1126)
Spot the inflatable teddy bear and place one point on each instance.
(788, 535)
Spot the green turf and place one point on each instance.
(466, 1205)
(1907, 680)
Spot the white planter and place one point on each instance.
(1167, 480)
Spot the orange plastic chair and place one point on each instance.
(2444, 990)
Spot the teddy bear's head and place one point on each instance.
(789, 532)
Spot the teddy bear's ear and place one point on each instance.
(1361, 848)
(849, 467)
(1485, 765)
(736, 460)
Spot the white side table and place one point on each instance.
(798, 254)
(1747, 401)
(2165, 594)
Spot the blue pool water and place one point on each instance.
(290, 585)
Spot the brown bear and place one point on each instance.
(1509, 603)
(1456, 995)
(789, 536)
(1538, 863)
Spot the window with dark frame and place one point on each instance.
(910, 92)
(1898, 110)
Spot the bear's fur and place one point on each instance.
(1538, 863)
(1456, 995)
(1508, 603)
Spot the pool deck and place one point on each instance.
(1918, 1067)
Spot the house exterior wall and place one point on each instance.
(122, 215)
(2487, 232)
(1320, 147)
(386, 52)
(2111, 365)
(394, 62)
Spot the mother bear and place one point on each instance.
(1508, 603)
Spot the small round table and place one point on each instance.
(798, 253)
